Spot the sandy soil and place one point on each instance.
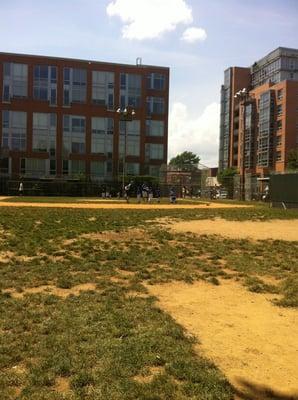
(258, 230)
(75, 290)
(242, 332)
(122, 205)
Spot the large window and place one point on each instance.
(155, 105)
(74, 168)
(154, 128)
(14, 130)
(102, 136)
(45, 83)
(132, 168)
(98, 170)
(130, 90)
(74, 86)
(44, 132)
(103, 88)
(73, 134)
(15, 81)
(34, 167)
(4, 165)
(132, 138)
(154, 151)
(154, 170)
(156, 81)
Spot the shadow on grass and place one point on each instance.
(251, 391)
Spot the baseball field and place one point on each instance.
(108, 300)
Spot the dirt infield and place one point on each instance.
(256, 230)
(242, 332)
(121, 205)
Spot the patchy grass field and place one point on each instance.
(77, 320)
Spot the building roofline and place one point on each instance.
(277, 52)
(83, 60)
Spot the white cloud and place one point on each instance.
(194, 34)
(198, 134)
(148, 19)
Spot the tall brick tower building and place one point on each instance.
(259, 114)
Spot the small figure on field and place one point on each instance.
(21, 189)
(157, 193)
(150, 195)
(139, 194)
(126, 192)
(172, 195)
(145, 191)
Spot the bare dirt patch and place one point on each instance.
(107, 236)
(62, 385)
(75, 290)
(123, 206)
(133, 293)
(6, 256)
(256, 230)
(150, 373)
(245, 335)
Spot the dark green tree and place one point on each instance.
(186, 161)
(292, 163)
(226, 174)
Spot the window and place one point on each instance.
(73, 168)
(154, 151)
(154, 128)
(45, 83)
(154, 170)
(102, 136)
(14, 130)
(73, 134)
(130, 90)
(74, 85)
(103, 88)
(78, 167)
(132, 138)
(279, 110)
(15, 81)
(155, 105)
(52, 167)
(4, 165)
(33, 167)
(98, 170)
(278, 156)
(132, 168)
(278, 140)
(156, 81)
(279, 124)
(44, 133)
(279, 94)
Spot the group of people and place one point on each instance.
(147, 194)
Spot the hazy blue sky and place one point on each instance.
(197, 39)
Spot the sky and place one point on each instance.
(197, 39)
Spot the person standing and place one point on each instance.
(150, 195)
(21, 189)
(145, 191)
(157, 193)
(126, 192)
(139, 194)
(172, 195)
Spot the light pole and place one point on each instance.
(242, 95)
(127, 114)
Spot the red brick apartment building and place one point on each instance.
(58, 118)
(259, 114)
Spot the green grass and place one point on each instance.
(101, 340)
